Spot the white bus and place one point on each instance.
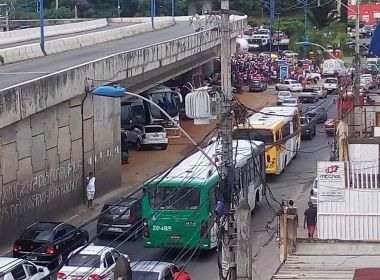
(280, 129)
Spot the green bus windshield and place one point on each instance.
(174, 198)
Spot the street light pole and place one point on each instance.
(42, 25)
(278, 32)
(173, 8)
(118, 8)
(152, 11)
(357, 51)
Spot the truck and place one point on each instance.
(331, 67)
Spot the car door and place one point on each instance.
(32, 271)
(109, 264)
(62, 241)
(168, 274)
(286, 85)
(74, 236)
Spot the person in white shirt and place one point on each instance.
(90, 189)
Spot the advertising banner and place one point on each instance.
(331, 180)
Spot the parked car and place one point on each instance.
(124, 147)
(308, 128)
(19, 269)
(320, 91)
(153, 270)
(317, 113)
(308, 95)
(49, 243)
(120, 216)
(291, 85)
(282, 95)
(257, 85)
(90, 262)
(330, 85)
(366, 81)
(314, 192)
(151, 135)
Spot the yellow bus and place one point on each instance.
(280, 129)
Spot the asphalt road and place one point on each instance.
(49, 38)
(294, 184)
(13, 74)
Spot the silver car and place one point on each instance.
(153, 270)
(152, 135)
(314, 192)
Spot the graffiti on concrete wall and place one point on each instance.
(21, 197)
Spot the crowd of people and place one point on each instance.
(247, 67)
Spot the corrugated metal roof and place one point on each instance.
(322, 264)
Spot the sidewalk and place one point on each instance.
(145, 164)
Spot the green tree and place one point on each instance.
(322, 16)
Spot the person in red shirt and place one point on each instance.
(181, 275)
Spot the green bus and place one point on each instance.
(178, 206)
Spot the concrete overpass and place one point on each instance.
(48, 143)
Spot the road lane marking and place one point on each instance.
(72, 217)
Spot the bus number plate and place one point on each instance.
(162, 228)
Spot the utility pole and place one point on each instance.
(271, 18)
(357, 51)
(228, 251)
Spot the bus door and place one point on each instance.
(287, 144)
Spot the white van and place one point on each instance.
(373, 61)
(263, 37)
(330, 66)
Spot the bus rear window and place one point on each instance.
(264, 135)
(174, 198)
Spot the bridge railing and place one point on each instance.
(25, 99)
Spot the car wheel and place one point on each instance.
(138, 145)
(164, 147)
(276, 88)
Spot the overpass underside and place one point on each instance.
(146, 80)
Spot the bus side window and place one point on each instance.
(212, 198)
(278, 135)
(286, 130)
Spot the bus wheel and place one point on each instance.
(138, 144)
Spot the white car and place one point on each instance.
(320, 91)
(281, 95)
(19, 269)
(291, 85)
(330, 85)
(147, 136)
(314, 192)
(92, 263)
(367, 80)
(153, 270)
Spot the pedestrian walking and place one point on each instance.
(292, 210)
(90, 189)
(310, 220)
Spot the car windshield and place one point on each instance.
(154, 129)
(115, 210)
(283, 93)
(331, 81)
(174, 198)
(264, 135)
(145, 275)
(308, 90)
(37, 235)
(84, 260)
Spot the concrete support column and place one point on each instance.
(191, 7)
(206, 5)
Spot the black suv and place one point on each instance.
(49, 243)
(308, 128)
(121, 216)
(257, 85)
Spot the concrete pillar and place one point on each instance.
(191, 7)
(206, 6)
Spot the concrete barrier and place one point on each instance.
(25, 52)
(27, 34)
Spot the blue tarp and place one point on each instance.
(374, 46)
